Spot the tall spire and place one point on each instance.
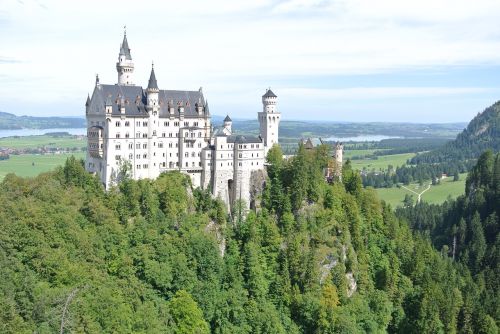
(124, 49)
(152, 84)
(125, 66)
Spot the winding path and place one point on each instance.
(418, 194)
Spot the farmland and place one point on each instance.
(28, 165)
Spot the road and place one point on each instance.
(418, 194)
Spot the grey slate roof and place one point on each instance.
(152, 84)
(240, 139)
(134, 98)
(228, 119)
(269, 93)
(87, 103)
(125, 50)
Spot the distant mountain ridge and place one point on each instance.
(10, 121)
(482, 133)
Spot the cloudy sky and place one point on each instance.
(339, 60)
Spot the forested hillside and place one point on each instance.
(467, 230)
(11, 121)
(159, 257)
(482, 133)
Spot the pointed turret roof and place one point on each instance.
(269, 93)
(228, 119)
(207, 110)
(152, 84)
(124, 49)
(87, 103)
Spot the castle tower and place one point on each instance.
(228, 123)
(152, 91)
(125, 66)
(269, 120)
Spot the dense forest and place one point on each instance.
(467, 230)
(161, 257)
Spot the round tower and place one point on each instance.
(125, 66)
(269, 120)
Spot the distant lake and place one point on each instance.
(39, 132)
(360, 138)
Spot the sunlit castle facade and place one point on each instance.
(154, 131)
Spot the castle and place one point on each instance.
(154, 131)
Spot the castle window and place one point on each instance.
(199, 163)
(127, 135)
(145, 165)
(117, 123)
(239, 164)
(144, 123)
(138, 123)
(199, 145)
(192, 154)
(186, 164)
(186, 123)
(240, 155)
(163, 134)
(176, 145)
(144, 135)
(160, 145)
(170, 134)
(186, 155)
(192, 164)
(145, 156)
(144, 145)
(138, 145)
(154, 132)
(117, 157)
(117, 147)
(176, 135)
(257, 163)
(138, 166)
(138, 135)
(170, 145)
(117, 135)
(138, 156)
(130, 156)
(127, 123)
(176, 123)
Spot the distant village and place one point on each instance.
(51, 148)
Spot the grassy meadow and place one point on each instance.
(436, 194)
(382, 162)
(65, 142)
(28, 165)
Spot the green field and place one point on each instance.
(68, 141)
(436, 194)
(382, 162)
(33, 164)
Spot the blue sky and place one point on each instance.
(341, 60)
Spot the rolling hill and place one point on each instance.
(482, 133)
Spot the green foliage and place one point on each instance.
(155, 256)
(186, 316)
